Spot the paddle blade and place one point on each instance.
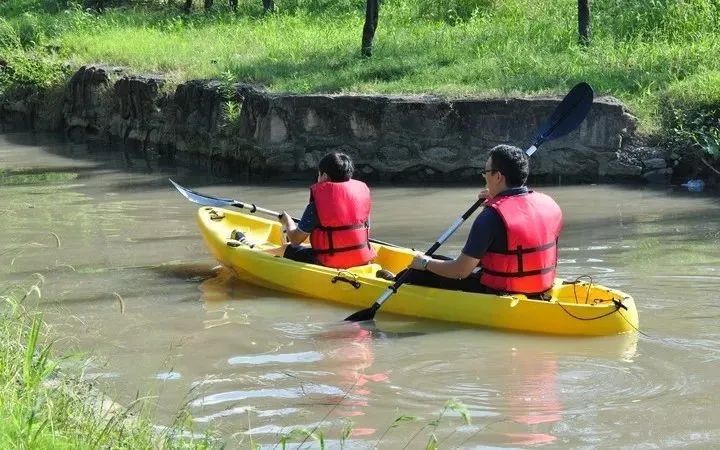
(570, 113)
(202, 199)
(364, 315)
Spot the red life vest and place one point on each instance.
(341, 239)
(532, 222)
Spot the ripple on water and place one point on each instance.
(508, 391)
(274, 393)
(301, 357)
(167, 376)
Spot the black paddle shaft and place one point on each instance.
(441, 240)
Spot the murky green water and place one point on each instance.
(128, 280)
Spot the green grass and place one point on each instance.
(640, 48)
(43, 407)
(20, 177)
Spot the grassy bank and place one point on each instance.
(641, 51)
(42, 407)
(638, 50)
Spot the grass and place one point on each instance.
(640, 48)
(22, 177)
(43, 407)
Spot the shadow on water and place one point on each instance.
(185, 271)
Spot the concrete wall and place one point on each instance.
(272, 136)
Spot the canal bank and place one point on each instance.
(245, 133)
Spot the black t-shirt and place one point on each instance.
(488, 231)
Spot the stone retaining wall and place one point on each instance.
(244, 132)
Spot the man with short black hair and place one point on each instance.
(513, 240)
(336, 219)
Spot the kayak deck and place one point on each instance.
(575, 308)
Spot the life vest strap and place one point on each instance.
(520, 273)
(344, 227)
(341, 249)
(331, 247)
(522, 251)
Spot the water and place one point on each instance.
(129, 283)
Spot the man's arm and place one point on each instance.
(296, 236)
(459, 268)
(298, 233)
(483, 231)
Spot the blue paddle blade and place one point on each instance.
(202, 199)
(571, 111)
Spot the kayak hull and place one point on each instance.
(576, 308)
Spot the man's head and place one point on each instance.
(336, 167)
(506, 167)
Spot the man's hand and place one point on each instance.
(287, 221)
(420, 261)
(483, 194)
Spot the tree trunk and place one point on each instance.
(208, 4)
(268, 6)
(188, 5)
(371, 21)
(584, 22)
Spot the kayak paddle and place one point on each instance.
(567, 116)
(207, 200)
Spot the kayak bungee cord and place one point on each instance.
(618, 305)
(587, 294)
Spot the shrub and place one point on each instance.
(664, 19)
(690, 119)
(454, 11)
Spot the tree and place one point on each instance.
(584, 22)
(371, 21)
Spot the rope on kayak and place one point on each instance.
(587, 294)
(636, 328)
(618, 306)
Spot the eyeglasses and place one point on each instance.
(487, 171)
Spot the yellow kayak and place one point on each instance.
(575, 308)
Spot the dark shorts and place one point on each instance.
(300, 253)
(429, 279)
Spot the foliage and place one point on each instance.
(454, 11)
(17, 177)
(639, 47)
(690, 117)
(23, 60)
(43, 407)
(655, 19)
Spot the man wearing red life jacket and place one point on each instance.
(336, 219)
(513, 240)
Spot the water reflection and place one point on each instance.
(337, 374)
(532, 396)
